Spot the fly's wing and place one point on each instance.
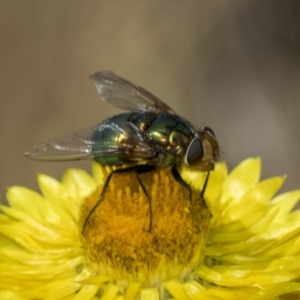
(72, 146)
(83, 145)
(125, 95)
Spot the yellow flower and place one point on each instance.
(244, 244)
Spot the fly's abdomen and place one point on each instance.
(107, 147)
(122, 139)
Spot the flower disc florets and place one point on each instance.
(118, 233)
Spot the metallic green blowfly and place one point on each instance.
(148, 137)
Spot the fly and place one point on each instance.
(148, 137)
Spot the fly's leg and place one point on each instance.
(205, 185)
(107, 181)
(138, 170)
(179, 179)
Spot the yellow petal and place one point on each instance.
(10, 295)
(228, 293)
(194, 290)
(98, 173)
(283, 204)
(51, 188)
(214, 188)
(78, 183)
(275, 290)
(175, 288)
(193, 177)
(253, 204)
(86, 292)
(110, 292)
(55, 192)
(27, 201)
(150, 294)
(132, 291)
(222, 276)
(241, 179)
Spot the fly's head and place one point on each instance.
(203, 150)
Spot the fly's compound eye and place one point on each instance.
(209, 130)
(195, 152)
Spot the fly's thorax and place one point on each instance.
(142, 120)
(172, 132)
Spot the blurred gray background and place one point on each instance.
(231, 65)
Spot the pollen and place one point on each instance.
(118, 236)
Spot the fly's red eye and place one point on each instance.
(195, 152)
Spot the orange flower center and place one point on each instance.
(117, 233)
